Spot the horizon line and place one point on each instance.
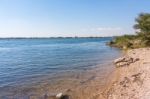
(56, 37)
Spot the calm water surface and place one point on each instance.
(27, 62)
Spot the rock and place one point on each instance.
(119, 60)
(137, 59)
(121, 64)
(59, 96)
(125, 82)
(125, 61)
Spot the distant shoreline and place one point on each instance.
(50, 37)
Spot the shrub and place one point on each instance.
(141, 39)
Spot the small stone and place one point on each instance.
(59, 96)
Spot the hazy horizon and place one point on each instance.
(63, 37)
(82, 18)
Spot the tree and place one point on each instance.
(141, 39)
(143, 24)
(143, 27)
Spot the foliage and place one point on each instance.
(141, 39)
(143, 24)
(125, 42)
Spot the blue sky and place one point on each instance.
(52, 18)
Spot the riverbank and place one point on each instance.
(131, 81)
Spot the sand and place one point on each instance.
(131, 81)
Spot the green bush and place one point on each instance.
(141, 39)
(124, 42)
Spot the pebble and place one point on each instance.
(59, 95)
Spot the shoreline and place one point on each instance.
(126, 81)
(130, 81)
(83, 86)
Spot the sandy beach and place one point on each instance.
(131, 81)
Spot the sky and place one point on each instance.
(69, 18)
